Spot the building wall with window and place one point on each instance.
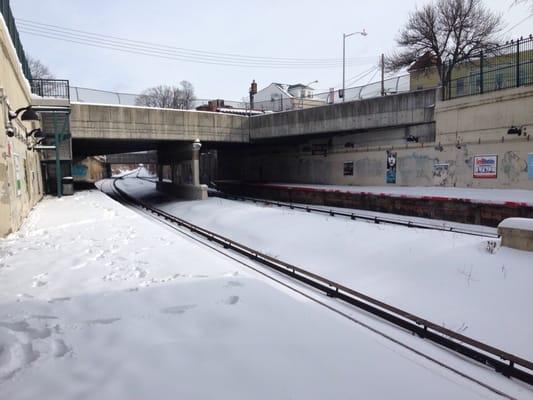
(20, 172)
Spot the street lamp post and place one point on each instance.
(344, 36)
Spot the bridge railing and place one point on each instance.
(393, 85)
(56, 88)
(87, 95)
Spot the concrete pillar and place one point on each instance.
(173, 173)
(196, 146)
(160, 172)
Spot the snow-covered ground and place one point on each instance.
(99, 302)
(448, 278)
(477, 195)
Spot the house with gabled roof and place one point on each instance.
(285, 97)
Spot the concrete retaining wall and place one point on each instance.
(445, 155)
(20, 170)
(458, 210)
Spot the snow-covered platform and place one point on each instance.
(465, 205)
(98, 301)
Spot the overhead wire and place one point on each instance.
(373, 76)
(519, 23)
(176, 53)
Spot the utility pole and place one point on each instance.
(382, 74)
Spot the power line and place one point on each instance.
(372, 77)
(169, 57)
(116, 43)
(359, 76)
(519, 22)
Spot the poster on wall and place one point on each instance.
(486, 166)
(391, 166)
(17, 175)
(530, 166)
(348, 168)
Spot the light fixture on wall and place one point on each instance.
(35, 133)
(28, 114)
(10, 131)
(196, 145)
(513, 130)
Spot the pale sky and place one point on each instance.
(310, 29)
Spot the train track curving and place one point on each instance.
(501, 361)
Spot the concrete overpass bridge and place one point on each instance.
(141, 127)
(102, 129)
(106, 129)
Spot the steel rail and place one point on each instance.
(355, 215)
(501, 361)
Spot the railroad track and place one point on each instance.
(503, 362)
(353, 215)
(357, 215)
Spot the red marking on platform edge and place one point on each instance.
(515, 204)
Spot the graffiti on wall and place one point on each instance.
(440, 174)
(391, 166)
(79, 170)
(513, 165)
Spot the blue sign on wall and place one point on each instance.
(530, 166)
(79, 170)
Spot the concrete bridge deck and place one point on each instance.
(112, 122)
(132, 123)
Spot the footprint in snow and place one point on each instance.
(233, 284)
(102, 321)
(178, 309)
(58, 299)
(231, 300)
(59, 348)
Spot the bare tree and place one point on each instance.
(38, 70)
(163, 96)
(526, 2)
(448, 31)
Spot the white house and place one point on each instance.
(284, 97)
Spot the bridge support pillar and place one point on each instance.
(196, 146)
(184, 172)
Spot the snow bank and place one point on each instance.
(448, 278)
(98, 302)
(525, 224)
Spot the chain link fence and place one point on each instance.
(281, 103)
